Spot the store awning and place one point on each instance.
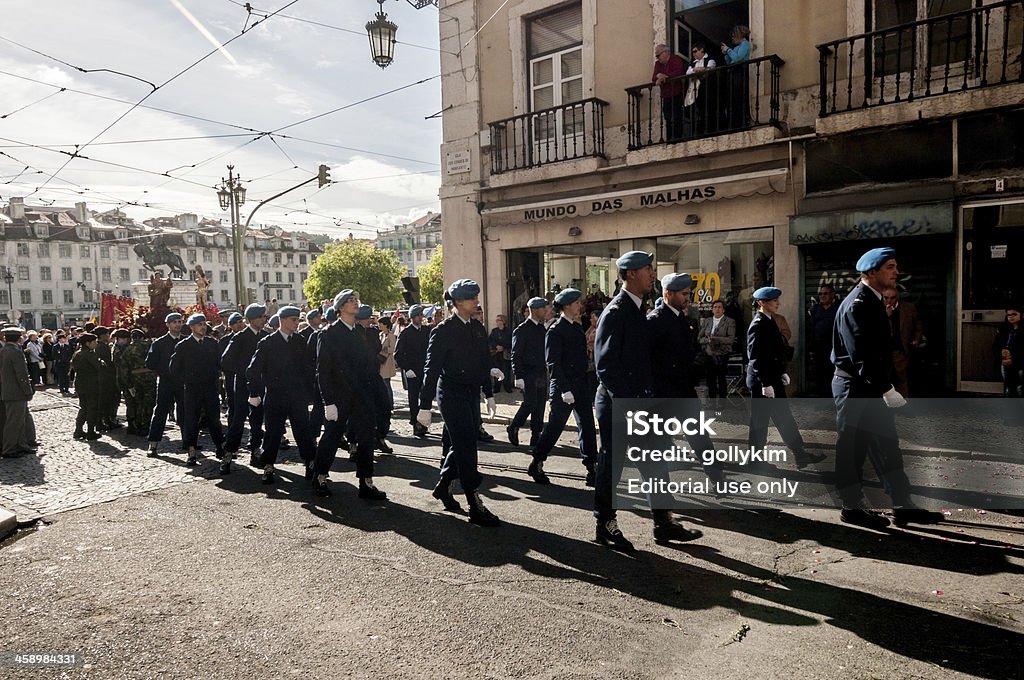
(695, 191)
(865, 225)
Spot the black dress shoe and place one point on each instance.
(513, 435)
(343, 442)
(191, 461)
(868, 519)
(902, 516)
(484, 436)
(114, 426)
(268, 477)
(443, 493)
(478, 514)
(310, 471)
(369, 492)
(804, 459)
(225, 467)
(419, 431)
(13, 454)
(536, 470)
(92, 436)
(285, 445)
(254, 459)
(383, 447)
(591, 477)
(608, 534)
(320, 488)
(79, 435)
(673, 531)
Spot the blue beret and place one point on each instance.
(429, 311)
(235, 318)
(537, 303)
(875, 258)
(274, 321)
(196, 318)
(634, 259)
(768, 293)
(344, 296)
(313, 313)
(364, 312)
(331, 315)
(289, 311)
(674, 282)
(415, 310)
(173, 316)
(255, 311)
(568, 296)
(464, 289)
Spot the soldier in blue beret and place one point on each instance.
(236, 323)
(767, 380)
(381, 402)
(565, 352)
(622, 354)
(316, 413)
(170, 391)
(197, 359)
(234, 360)
(457, 367)
(530, 371)
(410, 356)
(865, 398)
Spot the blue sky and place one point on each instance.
(383, 154)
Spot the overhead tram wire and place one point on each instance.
(38, 101)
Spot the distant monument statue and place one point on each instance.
(202, 285)
(159, 291)
(156, 254)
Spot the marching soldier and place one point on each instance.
(379, 391)
(170, 391)
(316, 413)
(344, 378)
(236, 359)
(411, 355)
(110, 399)
(87, 366)
(865, 398)
(236, 324)
(530, 372)
(225, 322)
(62, 353)
(16, 424)
(767, 380)
(313, 321)
(565, 351)
(196, 359)
(121, 337)
(277, 382)
(457, 367)
(139, 383)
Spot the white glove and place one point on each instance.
(785, 379)
(492, 408)
(568, 398)
(768, 391)
(520, 384)
(423, 417)
(497, 374)
(894, 399)
(331, 412)
(410, 374)
(255, 401)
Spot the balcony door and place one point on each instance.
(555, 53)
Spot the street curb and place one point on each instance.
(8, 523)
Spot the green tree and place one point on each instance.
(375, 274)
(432, 278)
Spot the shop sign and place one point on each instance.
(863, 225)
(998, 252)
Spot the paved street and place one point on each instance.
(187, 574)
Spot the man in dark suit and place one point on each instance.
(316, 414)
(235, 324)
(277, 381)
(531, 373)
(110, 397)
(411, 355)
(865, 398)
(907, 331)
(15, 393)
(196, 358)
(235, 359)
(169, 388)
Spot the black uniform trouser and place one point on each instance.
(242, 411)
(357, 416)
(88, 413)
(62, 370)
(316, 415)
(866, 429)
(716, 370)
(229, 395)
(199, 400)
(413, 386)
(460, 408)
(535, 395)
(168, 393)
(276, 411)
(582, 410)
(763, 410)
(382, 407)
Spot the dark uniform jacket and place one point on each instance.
(861, 343)
(565, 351)
(87, 367)
(238, 353)
(15, 384)
(458, 356)
(309, 361)
(767, 350)
(673, 352)
(108, 374)
(343, 371)
(197, 362)
(278, 365)
(62, 353)
(411, 350)
(222, 345)
(528, 350)
(622, 349)
(159, 356)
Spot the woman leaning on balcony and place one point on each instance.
(738, 115)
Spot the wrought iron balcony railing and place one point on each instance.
(954, 52)
(551, 135)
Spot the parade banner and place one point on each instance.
(113, 307)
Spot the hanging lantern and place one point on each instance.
(382, 38)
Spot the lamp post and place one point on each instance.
(8, 276)
(231, 196)
(382, 32)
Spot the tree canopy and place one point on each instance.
(375, 274)
(432, 278)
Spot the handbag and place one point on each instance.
(691, 93)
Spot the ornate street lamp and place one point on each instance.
(382, 38)
(231, 196)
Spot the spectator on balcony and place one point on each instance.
(738, 115)
(668, 68)
(696, 100)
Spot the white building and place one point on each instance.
(413, 243)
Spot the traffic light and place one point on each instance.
(323, 177)
(411, 294)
